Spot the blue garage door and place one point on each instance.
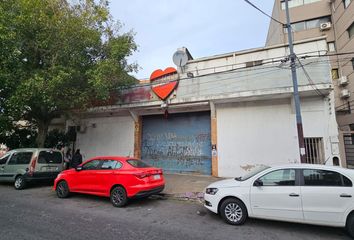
(179, 144)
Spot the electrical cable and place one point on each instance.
(313, 85)
(272, 60)
(254, 6)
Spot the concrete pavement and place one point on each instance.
(186, 186)
(37, 214)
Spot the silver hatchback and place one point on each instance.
(21, 166)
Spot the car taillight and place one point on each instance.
(142, 175)
(32, 167)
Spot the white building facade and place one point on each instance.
(227, 114)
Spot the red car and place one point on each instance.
(119, 178)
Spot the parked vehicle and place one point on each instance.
(303, 193)
(29, 164)
(119, 178)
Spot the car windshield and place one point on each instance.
(251, 173)
(7, 154)
(137, 163)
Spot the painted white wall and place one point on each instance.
(264, 132)
(107, 136)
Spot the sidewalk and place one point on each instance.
(186, 186)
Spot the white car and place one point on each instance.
(303, 193)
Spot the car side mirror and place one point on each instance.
(78, 168)
(258, 183)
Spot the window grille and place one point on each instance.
(314, 151)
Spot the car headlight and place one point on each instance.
(211, 191)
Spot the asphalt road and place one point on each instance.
(37, 213)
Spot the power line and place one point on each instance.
(265, 61)
(313, 85)
(328, 55)
(240, 69)
(254, 6)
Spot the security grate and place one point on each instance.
(349, 149)
(314, 151)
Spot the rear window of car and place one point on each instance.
(137, 163)
(317, 177)
(50, 157)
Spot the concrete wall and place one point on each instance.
(264, 132)
(275, 31)
(343, 18)
(314, 10)
(107, 136)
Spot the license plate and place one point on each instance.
(51, 169)
(156, 177)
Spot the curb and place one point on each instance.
(187, 196)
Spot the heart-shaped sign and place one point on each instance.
(163, 90)
(159, 73)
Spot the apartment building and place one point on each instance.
(333, 19)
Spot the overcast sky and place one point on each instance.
(205, 27)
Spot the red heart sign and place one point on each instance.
(159, 73)
(163, 90)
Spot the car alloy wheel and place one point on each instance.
(19, 183)
(233, 211)
(118, 197)
(62, 189)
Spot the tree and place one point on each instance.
(56, 56)
(56, 139)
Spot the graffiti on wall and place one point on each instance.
(177, 146)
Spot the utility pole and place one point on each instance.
(300, 133)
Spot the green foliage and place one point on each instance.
(19, 138)
(55, 139)
(58, 55)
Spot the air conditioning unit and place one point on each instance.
(343, 80)
(325, 26)
(345, 93)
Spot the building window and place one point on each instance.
(314, 151)
(309, 24)
(351, 30)
(296, 3)
(335, 74)
(331, 47)
(352, 63)
(346, 3)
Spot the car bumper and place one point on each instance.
(211, 202)
(41, 176)
(149, 192)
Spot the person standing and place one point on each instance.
(77, 159)
(67, 158)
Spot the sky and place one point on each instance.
(205, 27)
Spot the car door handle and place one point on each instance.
(345, 195)
(294, 195)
